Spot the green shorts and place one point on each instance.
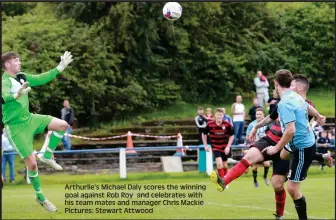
(21, 135)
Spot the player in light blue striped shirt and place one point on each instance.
(298, 138)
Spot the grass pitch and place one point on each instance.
(241, 200)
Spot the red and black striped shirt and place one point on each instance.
(219, 134)
(275, 132)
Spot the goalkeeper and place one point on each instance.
(21, 125)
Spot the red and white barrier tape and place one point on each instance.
(95, 139)
(152, 136)
(119, 136)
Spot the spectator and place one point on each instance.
(209, 115)
(227, 117)
(10, 159)
(238, 118)
(252, 111)
(331, 137)
(261, 83)
(261, 132)
(68, 115)
(201, 122)
(318, 129)
(332, 132)
(273, 101)
(323, 143)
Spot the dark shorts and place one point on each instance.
(222, 155)
(300, 161)
(280, 167)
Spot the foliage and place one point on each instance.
(16, 8)
(129, 59)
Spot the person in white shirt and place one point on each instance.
(238, 118)
(7, 148)
(261, 83)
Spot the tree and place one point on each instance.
(130, 59)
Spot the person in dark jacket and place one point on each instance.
(201, 122)
(273, 101)
(68, 115)
(252, 111)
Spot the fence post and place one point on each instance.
(122, 163)
(209, 162)
(179, 151)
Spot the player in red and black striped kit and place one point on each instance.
(221, 138)
(254, 156)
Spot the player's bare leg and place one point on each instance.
(33, 176)
(57, 125)
(280, 195)
(266, 168)
(284, 154)
(245, 152)
(253, 156)
(58, 128)
(293, 189)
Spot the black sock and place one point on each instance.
(255, 173)
(301, 207)
(265, 172)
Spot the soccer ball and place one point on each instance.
(172, 11)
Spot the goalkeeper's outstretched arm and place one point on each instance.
(44, 78)
(41, 79)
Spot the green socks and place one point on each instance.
(55, 138)
(35, 181)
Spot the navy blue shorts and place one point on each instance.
(280, 167)
(222, 155)
(300, 161)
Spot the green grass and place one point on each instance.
(241, 200)
(324, 100)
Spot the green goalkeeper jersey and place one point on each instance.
(17, 111)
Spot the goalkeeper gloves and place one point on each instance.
(24, 89)
(66, 59)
